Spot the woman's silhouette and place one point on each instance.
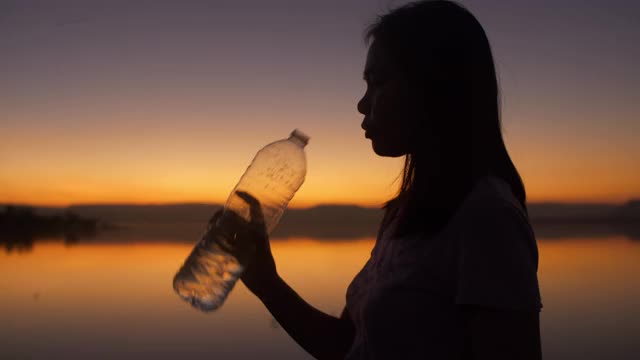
(453, 271)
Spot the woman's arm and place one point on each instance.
(320, 334)
(498, 334)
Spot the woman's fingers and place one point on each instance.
(248, 198)
(231, 222)
(236, 226)
(215, 217)
(255, 210)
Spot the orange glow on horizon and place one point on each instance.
(65, 192)
(138, 166)
(201, 186)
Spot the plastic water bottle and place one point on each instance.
(213, 267)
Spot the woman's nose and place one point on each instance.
(363, 105)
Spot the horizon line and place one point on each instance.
(196, 203)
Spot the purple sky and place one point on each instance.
(121, 83)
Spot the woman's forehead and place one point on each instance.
(376, 59)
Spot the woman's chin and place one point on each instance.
(386, 151)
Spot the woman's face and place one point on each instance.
(390, 114)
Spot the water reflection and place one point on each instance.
(114, 300)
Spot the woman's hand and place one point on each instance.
(252, 240)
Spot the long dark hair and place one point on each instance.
(444, 54)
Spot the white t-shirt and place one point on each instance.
(403, 302)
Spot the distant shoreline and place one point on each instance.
(538, 211)
(187, 221)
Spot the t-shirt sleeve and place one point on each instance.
(498, 260)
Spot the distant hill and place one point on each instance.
(336, 213)
(187, 221)
(326, 221)
(122, 214)
(629, 211)
(583, 213)
(330, 221)
(555, 210)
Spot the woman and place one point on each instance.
(453, 271)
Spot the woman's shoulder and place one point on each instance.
(492, 196)
(493, 210)
(492, 217)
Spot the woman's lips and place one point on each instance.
(367, 133)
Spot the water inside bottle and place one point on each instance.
(207, 276)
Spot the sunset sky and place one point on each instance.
(168, 101)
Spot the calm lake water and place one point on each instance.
(115, 300)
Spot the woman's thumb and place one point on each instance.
(215, 217)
